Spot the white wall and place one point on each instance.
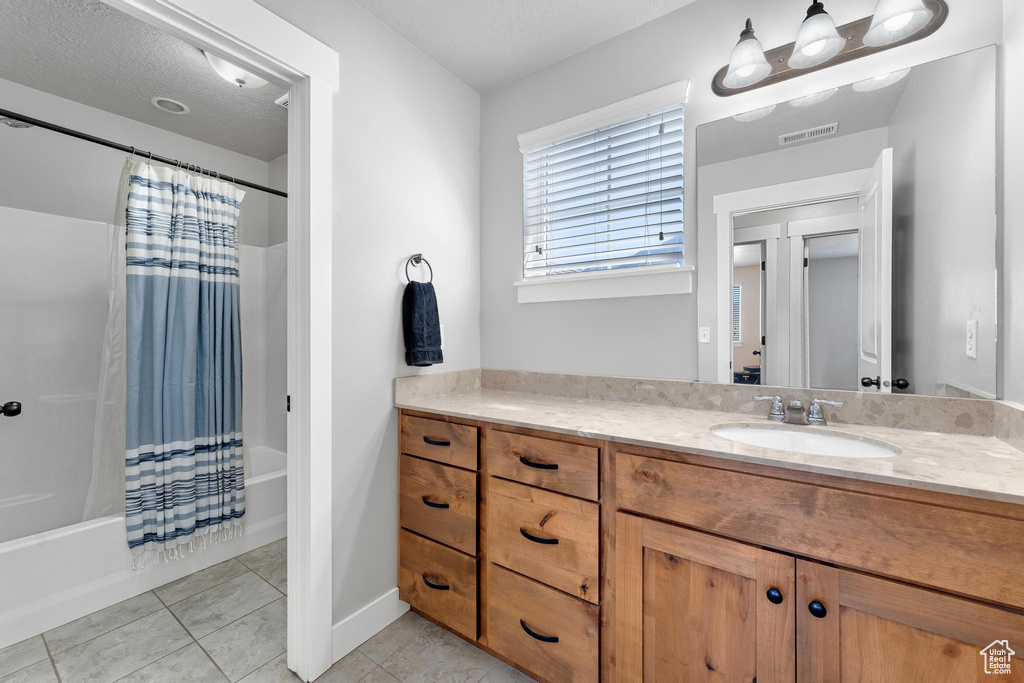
(654, 336)
(277, 209)
(55, 174)
(1013, 201)
(407, 180)
(944, 224)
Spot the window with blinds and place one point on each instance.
(606, 198)
(737, 317)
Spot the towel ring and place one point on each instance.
(417, 259)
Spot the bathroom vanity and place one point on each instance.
(585, 540)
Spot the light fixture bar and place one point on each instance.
(852, 33)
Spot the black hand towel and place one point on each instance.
(422, 325)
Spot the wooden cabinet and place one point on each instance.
(695, 607)
(584, 560)
(855, 627)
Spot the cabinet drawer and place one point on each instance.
(551, 634)
(556, 465)
(445, 442)
(438, 581)
(438, 502)
(956, 550)
(547, 536)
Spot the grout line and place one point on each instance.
(212, 660)
(53, 662)
(92, 638)
(205, 589)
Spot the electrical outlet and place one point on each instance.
(705, 335)
(972, 338)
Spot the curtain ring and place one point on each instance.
(132, 154)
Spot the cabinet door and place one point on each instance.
(694, 607)
(856, 627)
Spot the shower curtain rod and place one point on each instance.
(138, 152)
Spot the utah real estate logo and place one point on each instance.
(997, 657)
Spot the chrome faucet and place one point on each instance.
(795, 413)
(815, 415)
(777, 413)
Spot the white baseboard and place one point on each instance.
(367, 621)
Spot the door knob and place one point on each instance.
(11, 409)
(901, 383)
(868, 382)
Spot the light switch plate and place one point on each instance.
(972, 338)
(705, 335)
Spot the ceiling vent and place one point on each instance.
(282, 100)
(809, 134)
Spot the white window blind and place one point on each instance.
(606, 198)
(737, 306)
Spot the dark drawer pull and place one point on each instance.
(539, 465)
(534, 634)
(537, 539)
(427, 501)
(437, 442)
(435, 586)
(817, 609)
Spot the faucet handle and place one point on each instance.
(823, 402)
(777, 413)
(815, 415)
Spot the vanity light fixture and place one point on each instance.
(232, 74)
(879, 82)
(747, 64)
(815, 98)
(820, 44)
(896, 20)
(754, 115)
(817, 41)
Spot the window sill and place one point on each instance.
(650, 281)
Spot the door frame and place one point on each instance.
(261, 42)
(798, 231)
(769, 233)
(727, 206)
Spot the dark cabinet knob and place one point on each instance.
(817, 609)
(774, 596)
(11, 409)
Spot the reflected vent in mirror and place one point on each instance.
(809, 134)
(282, 101)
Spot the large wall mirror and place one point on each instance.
(855, 235)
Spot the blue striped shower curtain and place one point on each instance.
(184, 470)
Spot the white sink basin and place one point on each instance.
(809, 440)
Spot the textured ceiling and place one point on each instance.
(488, 43)
(86, 51)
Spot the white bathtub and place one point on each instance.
(57, 576)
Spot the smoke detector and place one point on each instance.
(809, 134)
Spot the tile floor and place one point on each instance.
(228, 622)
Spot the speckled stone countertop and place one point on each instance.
(976, 466)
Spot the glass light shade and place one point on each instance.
(817, 41)
(747, 64)
(816, 98)
(232, 74)
(879, 82)
(895, 20)
(748, 116)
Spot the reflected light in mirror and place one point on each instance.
(879, 82)
(817, 41)
(747, 64)
(809, 100)
(895, 20)
(748, 116)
